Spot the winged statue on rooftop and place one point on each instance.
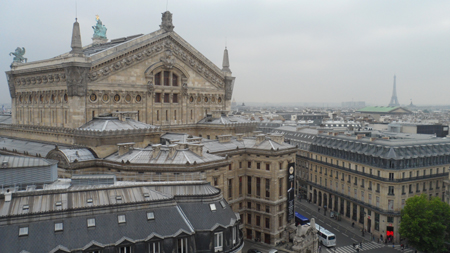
(18, 55)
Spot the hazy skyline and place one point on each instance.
(280, 51)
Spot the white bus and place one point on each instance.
(327, 238)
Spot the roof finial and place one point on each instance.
(166, 22)
(76, 39)
(226, 62)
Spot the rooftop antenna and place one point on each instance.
(76, 11)
(167, 4)
(225, 41)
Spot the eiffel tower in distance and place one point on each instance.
(394, 100)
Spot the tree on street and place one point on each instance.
(425, 223)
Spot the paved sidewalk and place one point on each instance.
(342, 223)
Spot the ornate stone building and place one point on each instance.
(149, 108)
(158, 75)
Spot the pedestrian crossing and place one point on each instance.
(349, 248)
(399, 248)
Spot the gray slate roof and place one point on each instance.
(399, 146)
(79, 154)
(25, 162)
(113, 123)
(93, 49)
(182, 156)
(201, 216)
(32, 147)
(249, 142)
(224, 119)
(171, 219)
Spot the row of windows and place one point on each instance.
(165, 97)
(370, 172)
(116, 98)
(362, 182)
(41, 116)
(43, 98)
(90, 222)
(258, 221)
(391, 189)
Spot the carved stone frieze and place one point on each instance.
(40, 79)
(76, 80)
(173, 51)
(168, 60)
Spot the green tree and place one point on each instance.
(426, 223)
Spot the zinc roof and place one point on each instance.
(378, 108)
(113, 123)
(32, 147)
(181, 156)
(79, 154)
(25, 162)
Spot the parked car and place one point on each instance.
(253, 251)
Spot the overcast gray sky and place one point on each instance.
(280, 50)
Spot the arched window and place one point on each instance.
(166, 78)
(158, 79)
(174, 80)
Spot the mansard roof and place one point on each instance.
(388, 146)
(172, 216)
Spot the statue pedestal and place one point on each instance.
(97, 41)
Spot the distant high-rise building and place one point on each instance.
(394, 100)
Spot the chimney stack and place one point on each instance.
(156, 149)
(124, 147)
(196, 148)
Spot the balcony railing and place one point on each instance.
(359, 202)
(409, 179)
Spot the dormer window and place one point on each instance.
(212, 207)
(25, 207)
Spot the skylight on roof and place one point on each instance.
(222, 203)
(118, 197)
(150, 216)
(25, 207)
(58, 203)
(89, 200)
(212, 207)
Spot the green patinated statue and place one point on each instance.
(99, 29)
(18, 55)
